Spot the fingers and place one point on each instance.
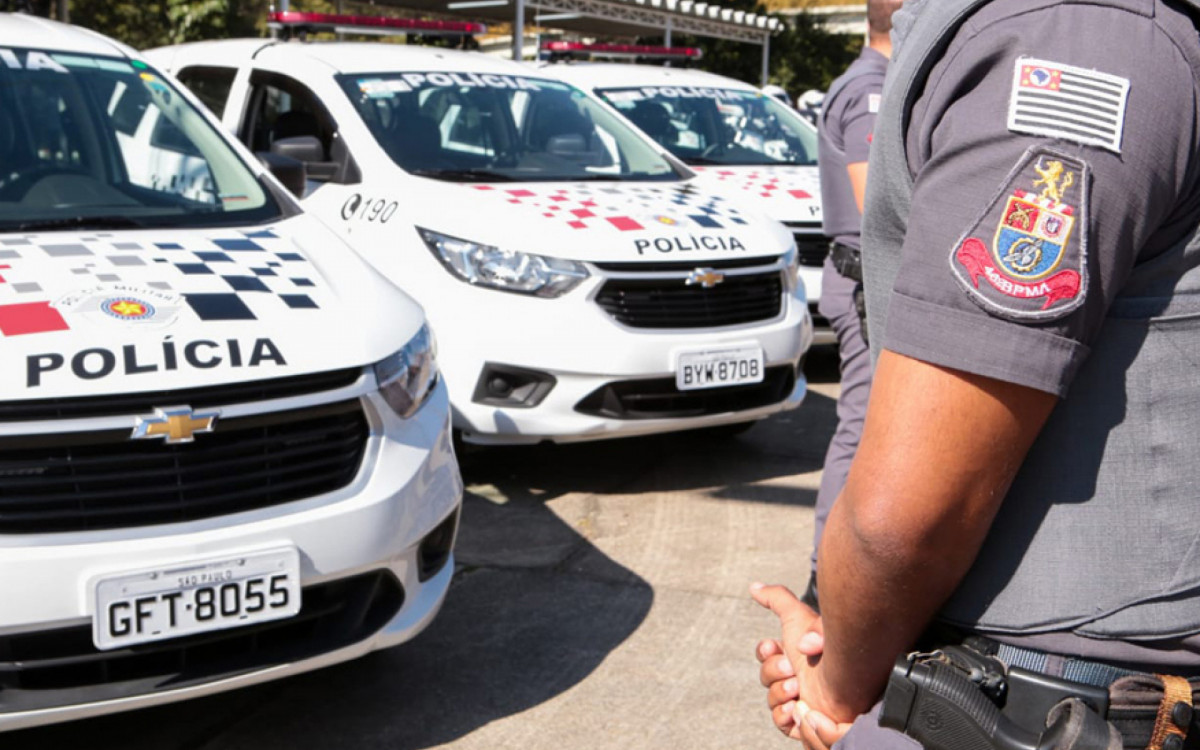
(785, 721)
(795, 617)
(812, 643)
(782, 692)
(775, 669)
(782, 716)
(767, 648)
(778, 599)
(817, 731)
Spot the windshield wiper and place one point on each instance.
(79, 222)
(464, 175)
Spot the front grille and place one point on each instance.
(671, 303)
(812, 245)
(61, 667)
(811, 251)
(98, 480)
(658, 398)
(146, 401)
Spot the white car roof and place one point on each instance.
(25, 31)
(619, 75)
(340, 57)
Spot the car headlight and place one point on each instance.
(407, 378)
(791, 267)
(506, 270)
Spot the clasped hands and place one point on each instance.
(790, 669)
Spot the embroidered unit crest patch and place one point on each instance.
(1035, 266)
(1061, 101)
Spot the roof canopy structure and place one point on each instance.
(608, 18)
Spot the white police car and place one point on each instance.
(743, 143)
(582, 285)
(224, 451)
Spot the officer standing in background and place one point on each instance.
(1027, 469)
(845, 130)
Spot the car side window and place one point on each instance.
(281, 107)
(211, 85)
(285, 118)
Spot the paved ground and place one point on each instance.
(600, 602)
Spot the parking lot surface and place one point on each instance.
(600, 602)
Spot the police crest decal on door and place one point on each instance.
(1026, 257)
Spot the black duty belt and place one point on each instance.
(977, 696)
(847, 260)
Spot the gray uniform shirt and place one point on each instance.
(847, 126)
(1051, 188)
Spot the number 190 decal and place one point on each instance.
(378, 210)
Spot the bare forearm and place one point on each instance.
(877, 597)
(939, 451)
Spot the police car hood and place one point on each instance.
(785, 193)
(604, 221)
(92, 313)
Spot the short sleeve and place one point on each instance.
(858, 121)
(1046, 165)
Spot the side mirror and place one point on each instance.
(289, 171)
(305, 148)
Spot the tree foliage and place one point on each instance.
(803, 56)
(153, 23)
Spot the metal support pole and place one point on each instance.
(341, 9)
(667, 39)
(64, 11)
(766, 68)
(283, 6)
(518, 41)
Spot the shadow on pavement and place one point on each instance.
(534, 608)
(515, 631)
(780, 446)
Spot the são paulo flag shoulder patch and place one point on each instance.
(1025, 259)
(1062, 101)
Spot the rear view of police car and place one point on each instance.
(582, 286)
(743, 143)
(204, 481)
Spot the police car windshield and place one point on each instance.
(718, 126)
(91, 142)
(476, 127)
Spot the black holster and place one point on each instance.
(846, 260)
(958, 698)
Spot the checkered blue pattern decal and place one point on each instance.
(220, 276)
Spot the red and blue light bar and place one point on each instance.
(346, 24)
(623, 50)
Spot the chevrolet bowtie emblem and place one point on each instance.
(178, 424)
(705, 277)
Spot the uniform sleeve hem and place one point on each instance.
(982, 345)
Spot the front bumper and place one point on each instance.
(360, 546)
(572, 342)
